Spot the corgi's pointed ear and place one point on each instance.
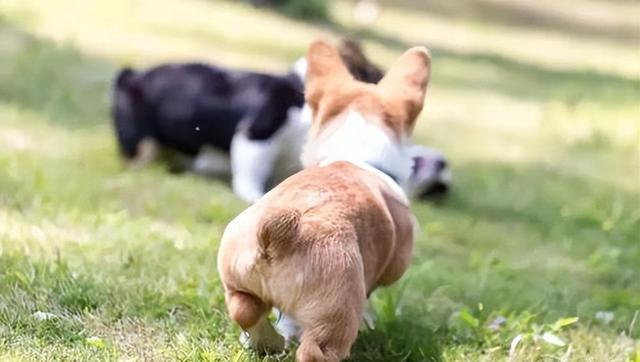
(325, 70)
(406, 81)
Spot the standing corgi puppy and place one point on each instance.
(317, 245)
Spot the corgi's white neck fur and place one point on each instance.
(364, 144)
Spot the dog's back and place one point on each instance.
(187, 106)
(340, 204)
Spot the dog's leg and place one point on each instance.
(262, 337)
(252, 162)
(148, 151)
(252, 315)
(328, 340)
(211, 162)
(329, 337)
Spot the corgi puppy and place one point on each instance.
(318, 244)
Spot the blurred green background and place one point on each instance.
(534, 256)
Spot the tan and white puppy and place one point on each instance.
(318, 244)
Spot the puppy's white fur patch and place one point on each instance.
(251, 164)
(364, 144)
(287, 327)
(290, 140)
(262, 337)
(254, 162)
(427, 172)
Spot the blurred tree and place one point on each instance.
(303, 9)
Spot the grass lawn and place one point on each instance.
(535, 256)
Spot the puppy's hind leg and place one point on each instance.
(329, 338)
(148, 151)
(211, 162)
(252, 314)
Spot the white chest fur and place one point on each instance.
(360, 142)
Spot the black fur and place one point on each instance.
(187, 106)
(184, 107)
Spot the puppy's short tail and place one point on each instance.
(277, 232)
(124, 78)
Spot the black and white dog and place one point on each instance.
(216, 121)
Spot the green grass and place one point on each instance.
(538, 114)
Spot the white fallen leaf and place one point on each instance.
(43, 316)
(567, 355)
(514, 345)
(498, 322)
(605, 316)
(553, 339)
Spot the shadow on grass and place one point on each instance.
(529, 237)
(398, 339)
(401, 332)
(513, 240)
(517, 14)
(69, 87)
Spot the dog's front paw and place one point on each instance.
(288, 328)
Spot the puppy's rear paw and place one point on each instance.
(287, 327)
(263, 343)
(368, 317)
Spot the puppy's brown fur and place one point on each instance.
(320, 242)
